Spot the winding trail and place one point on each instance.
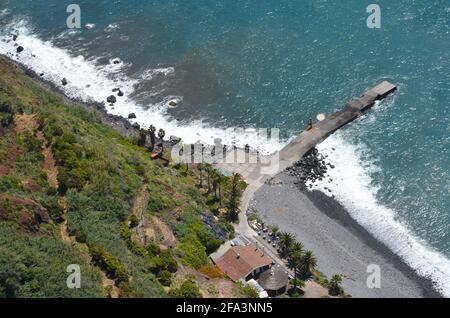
(29, 123)
(139, 207)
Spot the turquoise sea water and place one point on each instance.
(276, 63)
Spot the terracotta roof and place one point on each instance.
(239, 261)
(274, 279)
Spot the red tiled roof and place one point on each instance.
(239, 261)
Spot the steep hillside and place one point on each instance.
(74, 191)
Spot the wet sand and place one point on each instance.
(340, 245)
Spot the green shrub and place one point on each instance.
(334, 286)
(54, 207)
(152, 249)
(188, 289)
(134, 221)
(164, 261)
(193, 253)
(165, 278)
(6, 113)
(8, 183)
(107, 262)
(249, 291)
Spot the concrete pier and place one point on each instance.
(256, 174)
(308, 139)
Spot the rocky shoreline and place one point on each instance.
(120, 124)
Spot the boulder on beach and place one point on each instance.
(136, 126)
(111, 99)
(64, 81)
(19, 49)
(131, 116)
(120, 93)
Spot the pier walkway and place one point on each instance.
(252, 170)
(256, 172)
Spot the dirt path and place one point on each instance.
(139, 207)
(166, 232)
(24, 123)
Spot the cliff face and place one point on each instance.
(74, 191)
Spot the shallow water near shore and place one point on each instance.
(275, 64)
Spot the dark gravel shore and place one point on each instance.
(339, 243)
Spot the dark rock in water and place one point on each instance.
(175, 139)
(136, 126)
(88, 85)
(115, 89)
(15, 36)
(19, 49)
(173, 103)
(116, 61)
(111, 99)
(131, 116)
(120, 93)
(42, 74)
(64, 81)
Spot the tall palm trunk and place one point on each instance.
(201, 175)
(220, 195)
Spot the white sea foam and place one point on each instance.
(4, 12)
(89, 81)
(89, 26)
(352, 187)
(149, 74)
(112, 27)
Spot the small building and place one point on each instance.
(244, 262)
(274, 281)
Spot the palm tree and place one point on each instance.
(161, 134)
(285, 243)
(308, 263)
(200, 168)
(142, 138)
(297, 247)
(219, 184)
(151, 131)
(234, 199)
(275, 230)
(298, 283)
(334, 286)
(215, 181)
(208, 169)
(294, 262)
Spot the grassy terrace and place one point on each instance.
(100, 175)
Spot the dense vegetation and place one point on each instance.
(100, 174)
